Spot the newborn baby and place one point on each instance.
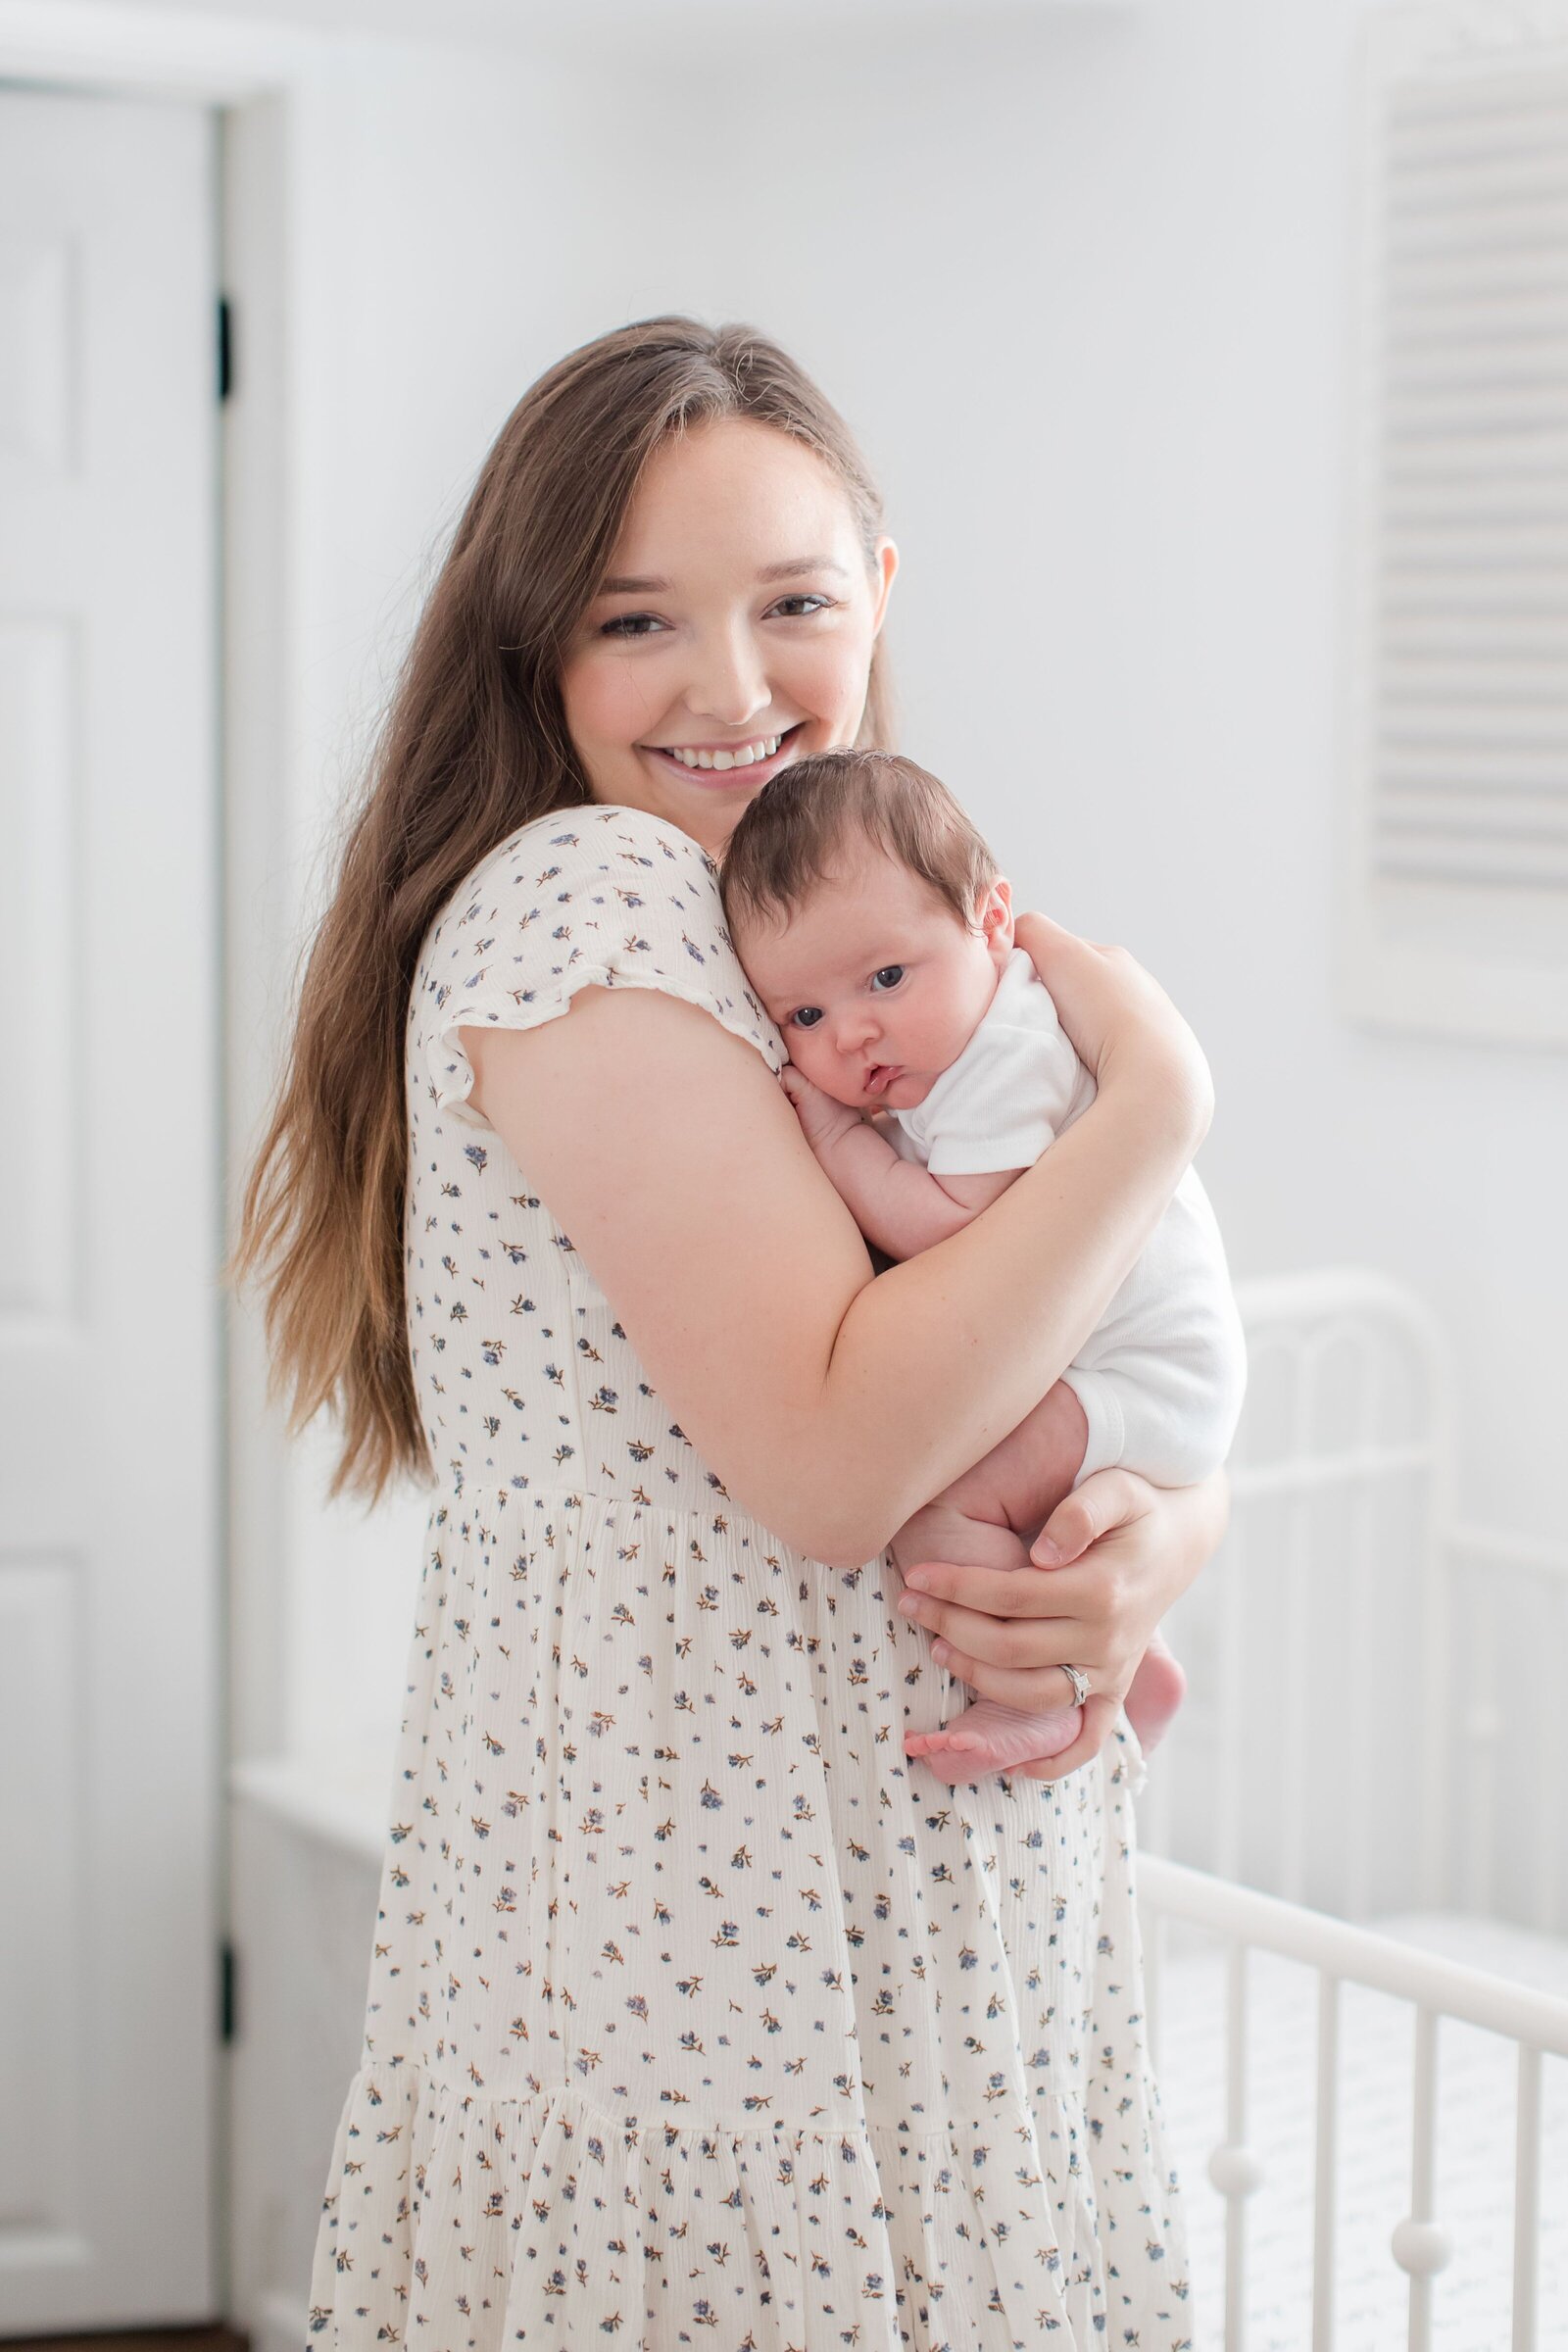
(928, 1070)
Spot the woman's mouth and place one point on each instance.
(727, 767)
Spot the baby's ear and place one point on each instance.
(993, 915)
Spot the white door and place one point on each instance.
(110, 1561)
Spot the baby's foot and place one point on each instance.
(1155, 1693)
(988, 1736)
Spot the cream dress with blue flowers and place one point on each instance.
(699, 2015)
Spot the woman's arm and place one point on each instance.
(831, 1404)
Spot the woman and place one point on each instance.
(697, 2014)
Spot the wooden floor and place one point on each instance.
(151, 2340)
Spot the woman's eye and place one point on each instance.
(632, 624)
(807, 1017)
(889, 976)
(817, 603)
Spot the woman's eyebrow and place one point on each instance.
(798, 565)
(792, 569)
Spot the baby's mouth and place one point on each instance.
(880, 1076)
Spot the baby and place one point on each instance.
(928, 1070)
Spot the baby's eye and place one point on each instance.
(889, 976)
(807, 1017)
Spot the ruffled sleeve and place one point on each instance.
(584, 897)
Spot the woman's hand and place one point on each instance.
(1120, 1020)
(1128, 1549)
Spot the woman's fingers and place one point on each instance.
(1109, 1005)
(1044, 1688)
(1106, 1500)
(1018, 1644)
(1099, 1715)
(1038, 1616)
(992, 1592)
(1076, 973)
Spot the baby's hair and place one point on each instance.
(787, 839)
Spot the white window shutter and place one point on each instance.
(1453, 913)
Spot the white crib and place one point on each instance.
(1349, 1753)
(1344, 2190)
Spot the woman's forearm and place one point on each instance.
(992, 1316)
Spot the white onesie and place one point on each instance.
(1161, 1377)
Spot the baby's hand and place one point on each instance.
(822, 1120)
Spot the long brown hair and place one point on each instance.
(474, 745)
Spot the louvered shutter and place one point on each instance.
(1456, 881)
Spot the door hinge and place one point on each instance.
(225, 347)
(228, 1994)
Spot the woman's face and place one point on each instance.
(732, 633)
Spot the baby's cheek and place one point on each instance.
(807, 1059)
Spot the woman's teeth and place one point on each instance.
(745, 754)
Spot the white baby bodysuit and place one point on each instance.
(1161, 1377)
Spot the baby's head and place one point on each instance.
(871, 921)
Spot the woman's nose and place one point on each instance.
(730, 684)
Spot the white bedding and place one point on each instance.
(1476, 2077)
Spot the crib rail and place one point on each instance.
(1372, 1721)
(1339, 1478)
(1536, 2024)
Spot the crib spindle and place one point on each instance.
(1295, 1568)
(1234, 2167)
(1233, 1718)
(1360, 1766)
(1548, 1815)
(1362, 1560)
(1421, 2247)
(1483, 1730)
(1525, 2199)
(1328, 2118)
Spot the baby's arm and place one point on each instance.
(897, 1204)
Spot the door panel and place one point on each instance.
(109, 1552)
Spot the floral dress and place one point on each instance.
(698, 2013)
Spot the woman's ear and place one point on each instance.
(884, 566)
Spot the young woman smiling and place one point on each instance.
(691, 2004)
